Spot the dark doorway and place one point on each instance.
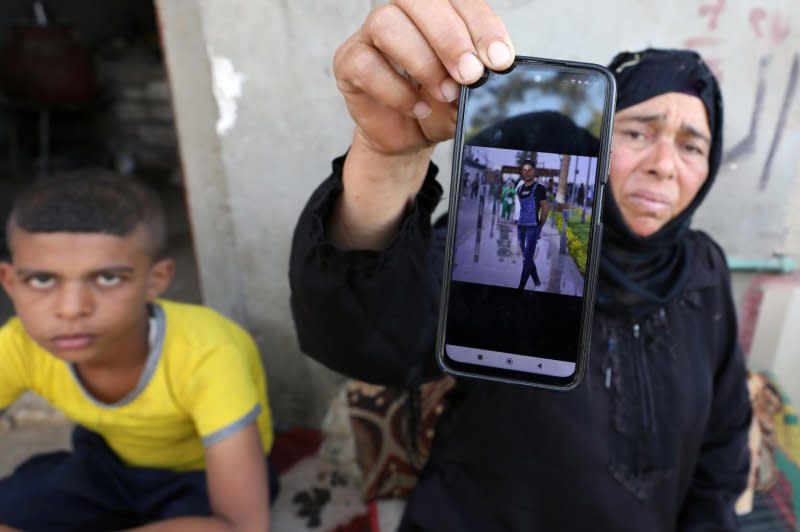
(83, 88)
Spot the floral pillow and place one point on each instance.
(393, 431)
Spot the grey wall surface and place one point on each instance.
(259, 119)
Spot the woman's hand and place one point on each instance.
(400, 76)
(400, 72)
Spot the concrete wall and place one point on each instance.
(259, 118)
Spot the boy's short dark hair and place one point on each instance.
(529, 163)
(90, 203)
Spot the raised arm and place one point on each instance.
(399, 75)
(365, 270)
(368, 314)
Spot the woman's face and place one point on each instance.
(659, 159)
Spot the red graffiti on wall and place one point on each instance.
(757, 16)
(778, 26)
(698, 42)
(766, 25)
(713, 12)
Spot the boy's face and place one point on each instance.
(82, 296)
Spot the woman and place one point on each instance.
(655, 437)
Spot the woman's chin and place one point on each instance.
(645, 227)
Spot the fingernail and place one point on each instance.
(470, 68)
(421, 109)
(499, 54)
(450, 90)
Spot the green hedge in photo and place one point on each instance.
(577, 236)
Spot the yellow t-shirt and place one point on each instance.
(203, 380)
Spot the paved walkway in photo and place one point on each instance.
(490, 254)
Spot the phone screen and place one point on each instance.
(530, 160)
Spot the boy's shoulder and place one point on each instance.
(202, 321)
(12, 328)
(200, 345)
(200, 328)
(13, 333)
(21, 358)
(191, 310)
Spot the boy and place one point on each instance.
(169, 399)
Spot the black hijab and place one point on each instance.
(638, 275)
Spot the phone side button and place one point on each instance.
(600, 199)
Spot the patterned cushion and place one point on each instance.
(382, 419)
(773, 497)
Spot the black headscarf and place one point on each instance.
(638, 275)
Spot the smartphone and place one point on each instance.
(530, 162)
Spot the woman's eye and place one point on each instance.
(41, 281)
(694, 149)
(108, 279)
(633, 135)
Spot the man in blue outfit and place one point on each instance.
(533, 210)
